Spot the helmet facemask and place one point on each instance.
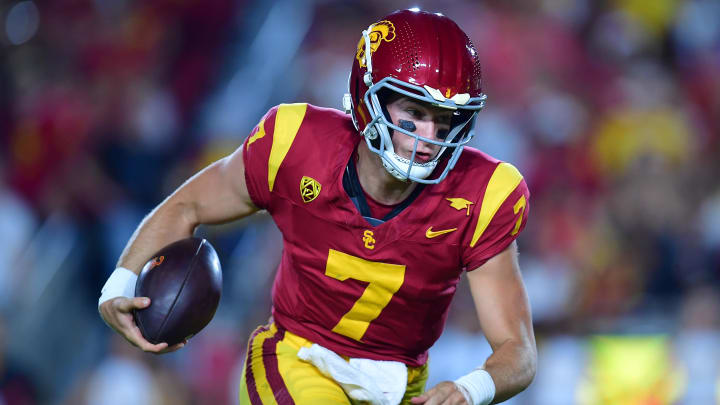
(379, 131)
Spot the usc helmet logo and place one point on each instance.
(382, 30)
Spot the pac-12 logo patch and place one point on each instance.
(309, 189)
(380, 31)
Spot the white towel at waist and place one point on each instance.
(376, 381)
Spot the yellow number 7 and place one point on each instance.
(383, 280)
(519, 207)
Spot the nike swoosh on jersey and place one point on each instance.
(431, 234)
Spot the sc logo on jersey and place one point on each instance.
(309, 189)
(368, 239)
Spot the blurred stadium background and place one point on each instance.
(611, 109)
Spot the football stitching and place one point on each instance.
(192, 263)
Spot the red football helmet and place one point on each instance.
(427, 57)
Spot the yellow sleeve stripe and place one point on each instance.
(259, 134)
(287, 122)
(502, 182)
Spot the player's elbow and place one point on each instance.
(188, 214)
(183, 212)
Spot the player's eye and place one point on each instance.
(413, 112)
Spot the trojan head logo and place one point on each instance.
(380, 31)
(309, 189)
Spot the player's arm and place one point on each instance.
(504, 312)
(216, 194)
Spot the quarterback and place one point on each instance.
(382, 209)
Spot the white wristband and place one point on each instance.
(121, 283)
(478, 387)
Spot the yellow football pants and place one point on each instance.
(274, 374)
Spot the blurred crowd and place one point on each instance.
(610, 109)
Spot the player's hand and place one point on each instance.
(118, 314)
(445, 393)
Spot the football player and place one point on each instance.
(382, 210)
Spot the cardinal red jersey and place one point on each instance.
(379, 292)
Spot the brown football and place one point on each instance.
(184, 282)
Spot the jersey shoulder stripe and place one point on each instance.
(288, 119)
(504, 180)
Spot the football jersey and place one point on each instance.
(379, 292)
